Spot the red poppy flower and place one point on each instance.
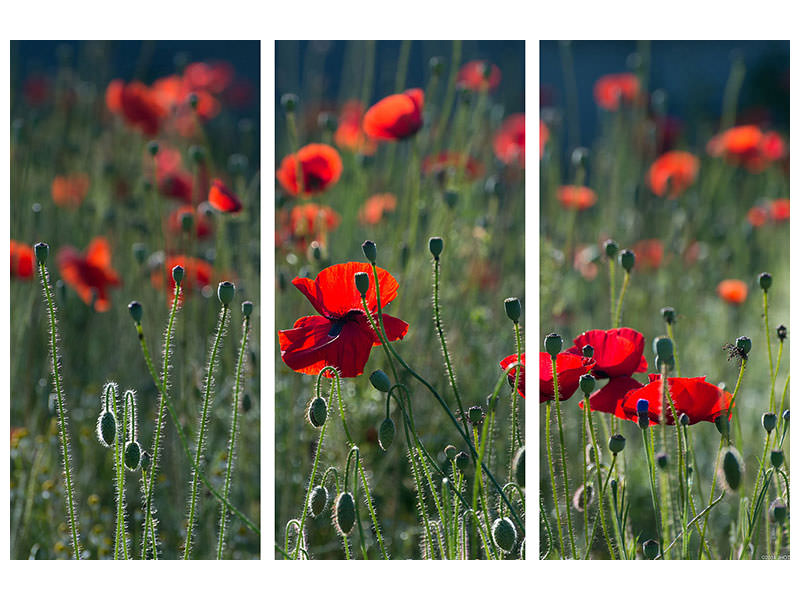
(223, 199)
(779, 209)
(569, 368)
(617, 352)
(349, 133)
(748, 146)
(513, 373)
(649, 254)
(693, 396)
(672, 173)
(375, 207)
(509, 141)
(321, 166)
(140, 108)
(70, 190)
(202, 224)
(585, 261)
(22, 260)
(114, 96)
(479, 75)
(733, 291)
(173, 180)
(197, 275)
(341, 335)
(212, 77)
(91, 274)
(758, 216)
(611, 90)
(608, 399)
(576, 197)
(396, 117)
(438, 165)
(544, 137)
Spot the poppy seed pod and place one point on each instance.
(776, 458)
(663, 348)
(225, 292)
(197, 154)
(136, 311)
(650, 549)
(627, 259)
(344, 516)
(436, 65)
(317, 412)
(781, 332)
(769, 421)
(744, 344)
(611, 248)
(152, 148)
(590, 454)
(668, 314)
(504, 534)
(177, 274)
(362, 283)
(436, 245)
(133, 455)
(462, 461)
(513, 309)
(786, 415)
(386, 434)
(450, 451)
(662, 460)
(106, 428)
(451, 197)
(732, 468)
(588, 351)
(553, 344)
(370, 251)
(380, 381)
(777, 510)
(684, 419)
(247, 308)
(289, 102)
(587, 383)
(643, 421)
(41, 250)
(475, 414)
(518, 466)
(616, 443)
(765, 281)
(317, 500)
(147, 461)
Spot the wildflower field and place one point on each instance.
(135, 300)
(399, 292)
(664, 255)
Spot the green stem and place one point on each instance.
(612, 287)
(671, 336)
(563, 460)
(618, 314)
(653, 494)
(769, 354)
(553, 476)
(600, 489)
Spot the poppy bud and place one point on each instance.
(289, 102)
(588, 351)
(650, 549)
(616, 443)
(317, 412)
(106, 428)
(580, 157)
(462, 461)
(450, 451)
(386, 434)
(684, 419)
(380, 381)
(475, 414)
(197, 154)
(362, 283)
(41, 250)
(627, 259)
(317, 500)
(769, 421)
(436, 65)
(136, 311)
(518, 466)
(552, 343)
(345, 514)
(744, 344)
(177, 274)
(247, 308)
(781, 332)
(513, 309)
(193, 100)
(777, 510)
(327, 121)
(451, 197)
(722, 424)
(614, 485)
(436, 245)
(587, 384)
(765, 281)
(225, 292)
(668, 314)
(662, 346)
(776, 458)
(147, 461)
(662, 460)
(370, 251)
(732, 468)
(152, 147)
(611, 248)
(133, 455)
(139, 252)
(504, 534)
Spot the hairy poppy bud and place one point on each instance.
(588, 351)
(436, 65)
(518, 466)
(317, 500)
(587, 384)
(317, 412)
(744, 344)
(611, 248)
(247, 308)
(136, 311)
(380, 381)
(504, 534)
(370, 251)
(436, 245)
(663, 348)
(450, 451)
(627, 259)
(552, 343)
(732, 468)
(776, 458)
(777, 510)
(662, 460)
(225, 292)
(133, 455)
(139, 252)
(386, 434)
(513, 309)
(650, 549)
(462, 461)
(591, 457)
(177, 274)
(289, 102)
(362, 283)
(668, 314)
(41, 250)
(781, 332)
(106, 428)
(475, 414)
(765, 281)
(147, 461)
(616, 443)
(684, 419)
(345, 514)
(152, 147)
(769, 421)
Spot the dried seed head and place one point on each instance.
(386, 434)
(317, 500)
(782, 332)
(106, 428)
(744, 344)
(317, 412)
(732, 468)
(518, 467)
(588, 351)
(504, 534)
(345, 514)
(380, 381)
(133, 455)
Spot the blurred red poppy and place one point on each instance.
(569, 368)
(396, 117)
(672, 173)
(22, 260)
(438, 165)
(617, 352)
(197, 275)
(349, 134)
(693, 396)
(306, 223)
(758, 216)
(223, 199)
(576, 197)
(733, 291)
(340, 336)
(544, 137)
(70, 190)
(608, 399)
(371, 213)
(612, 90)
(512, 374)
(649, 254)
(747, 146)
(321, 166)
(212, 77)
(140, 108)
(779, 209)
(89, 274)
(479, 75)
(201, 224)
(509, 141)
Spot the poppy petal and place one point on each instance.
(223, 199)
(395, 328)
